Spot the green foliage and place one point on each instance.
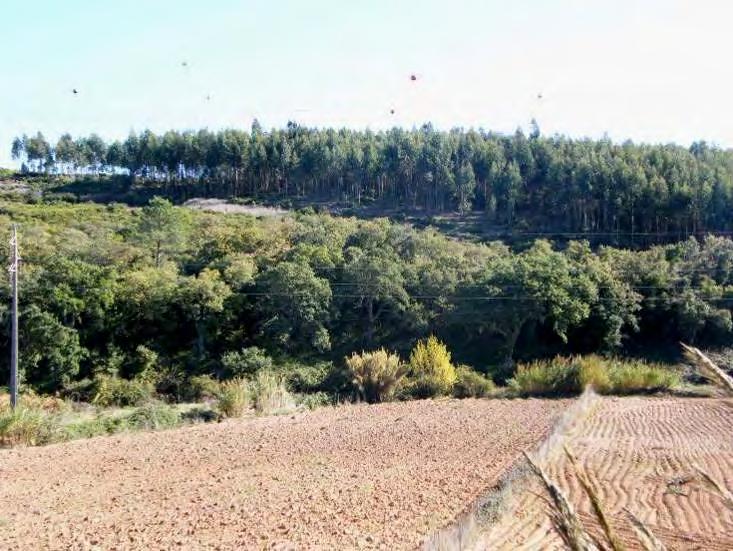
(202, 297)
(314, 288)
(99, 425)
(313, 377)
(44, 420)
(233, 397)
(622, 192)
(247, 361)
(116, 391)
(295, 306)
(161, 228)
(26, 427)
(642, 377)
(431, 372)
(315, 400)
(375, 375)
(154, 416)
(472, 384)
(563, 376)
(202, 387)
(52, 352)
(546, 378)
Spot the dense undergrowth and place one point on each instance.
(378, 376)
(567, 376)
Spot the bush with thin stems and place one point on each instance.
(375, 375)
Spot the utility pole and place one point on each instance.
(13, 268)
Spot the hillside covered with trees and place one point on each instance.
(524, 183)
(120, 291)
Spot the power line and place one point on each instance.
(469, 298)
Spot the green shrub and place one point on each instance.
(116, 391)
(80, 391)
(145, 365)
(96, 426)
(309, 378)
(202, 387)
(562, 376)
(59, 197)
(27, 427)
(375, 375)
(593, 371)
(233, 397)
(154, 416)
(430, 370)
(245, 362)
(472, 384)
(200, 415)
(270, 393)
(558, 376)
(639, 376)
(315, 400)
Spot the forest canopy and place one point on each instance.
(116, 290)
(527, 182)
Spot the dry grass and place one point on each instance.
(233, 397)
(648, 540)
(716, 485)
(270, 394)
(708, 369)
(595, 500)
(564, 518)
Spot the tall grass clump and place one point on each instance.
(375, 375)
(116, 391)
(565, 376)
(595, 500)
(638, 376)
(431, 372)
(646, 537)
(592, 371)
(233, 397)
(718, 486)
(472, 384)
(32, 401)
(27, 427)
(202, 387)
(558, 376)
(270, 394)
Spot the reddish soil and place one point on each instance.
(639, 454)
(336, 478)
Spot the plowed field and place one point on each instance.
(336, 478)
(639, 454)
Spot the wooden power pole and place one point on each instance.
(14, 313)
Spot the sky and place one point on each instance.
(655, 71)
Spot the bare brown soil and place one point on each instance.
(337, 478)
(639, 454)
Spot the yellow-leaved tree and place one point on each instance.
(431, 371)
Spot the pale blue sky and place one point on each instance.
(655, 70)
